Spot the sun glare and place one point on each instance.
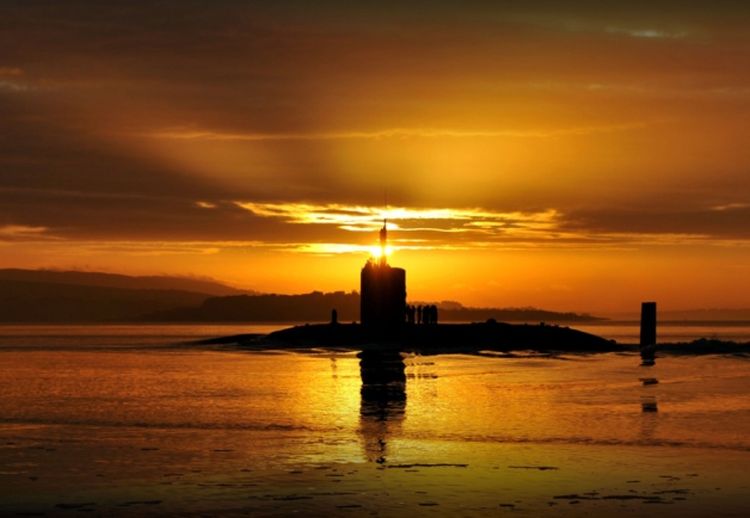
(377, 252)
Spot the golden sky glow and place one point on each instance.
(583, 157)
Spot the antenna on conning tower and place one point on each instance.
(384, 230)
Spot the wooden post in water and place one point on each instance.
(648, 332)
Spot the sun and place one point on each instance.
(377, 252)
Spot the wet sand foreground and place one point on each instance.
(43, 477)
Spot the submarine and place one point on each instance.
(387, 323)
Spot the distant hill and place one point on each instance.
(47, 302)
(309, 307)
(696, 316)
(512, 315)
(707, 315)
(50, 296)
(317, 306)
(112, 280)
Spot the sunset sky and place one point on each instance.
(575, 158)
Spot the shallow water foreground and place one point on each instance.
(155, 430)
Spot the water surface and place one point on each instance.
(125, 422)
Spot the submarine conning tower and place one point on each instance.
(382, 292)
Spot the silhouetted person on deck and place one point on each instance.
(433, 314)
(334, 317)
(426, 314)
(410, 314)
